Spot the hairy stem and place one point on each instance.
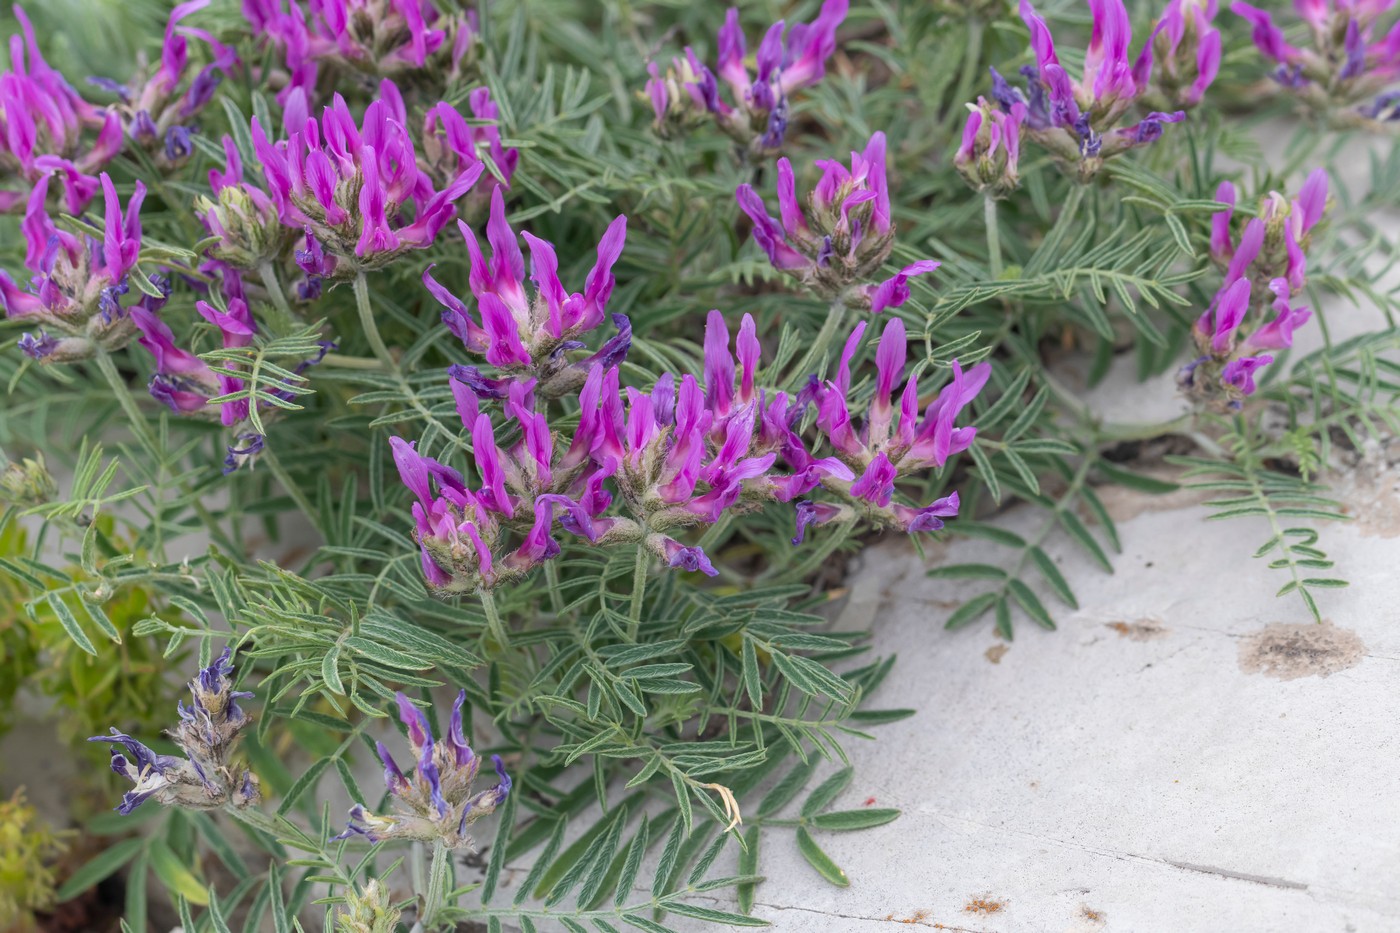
(274, 287)
(376, 342)
(639, 590)
(989, 215)
(834, 316)
(494, 625)
(436, 895)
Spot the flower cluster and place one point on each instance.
(436, 804)
(1077, 120)
(45, 128)
(530, 337)
(376, 38)
(353, 188)
(451, 145)
(891, 444)
(208, 733)
(77, 284)
(250, 228)
(837, 246)
(1268, 259)
(1182, 57)
(757, 119)
(159, 108)
(991, 148)
(1346, 64)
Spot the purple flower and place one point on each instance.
(1240, 373)
(991, 147)
(158, 107)
(1076, 120)
(528, 334)
(680, 557)
(757, 118)
(49, 128)
(436, 804)
(355, 186)
(76, 283)
(1185, 50)
(838, 245)
(405, 38)
(1345, 64)
(208, 732)
(452, 145)
(894, 440)
(1274, 244)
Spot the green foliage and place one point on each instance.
(29, 849)
(641, 714)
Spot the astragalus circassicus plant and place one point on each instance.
(393, 352)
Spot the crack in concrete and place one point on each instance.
(1239, 875)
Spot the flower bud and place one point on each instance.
(246, 224)
(27, 482)
(991, 148)
(368, 910)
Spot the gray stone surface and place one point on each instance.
(1125, 767)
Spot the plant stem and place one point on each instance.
(376, 342)
(342, 361)
(267, 456)
(139, 426)
(835, 313)
(989, 215)
(639, 589)
(494, 625)
(274, 287)
(551, 577)
(437, 885)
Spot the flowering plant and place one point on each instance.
(487, 412)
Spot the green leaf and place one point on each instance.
(69, 623)
(843, 820)
(1053, 577)
(1136, 481)
(748, 865)
(102, 866)
(1030, 604)
(819, 860)
(827, 791)
(176, 877)
(970, 610)
(1076, 529)
(967, 572)
(498, 849)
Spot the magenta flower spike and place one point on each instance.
(894, 440)
(756, 116)
(990, 153)
(357, 189)
(839, 244)
(451, 145)
(77, 285)
(1345, 64)
(379, 38)
(1264, 269)
(436, 804)
(159, 107)
(1077, 120)
(47, 128)
(530, 336)
(1182, 57)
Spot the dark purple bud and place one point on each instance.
(310, 288)
(663, 400)
(777, 126)
(237, 456)
(825, 253)
(178, 146)
(614, 351)
(201, 91)
(38, 347)
(1003, 93)
(143, 128)
(481, 386)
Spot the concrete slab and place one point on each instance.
(1125, 772)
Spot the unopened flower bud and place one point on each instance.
(991, 148)
(26, 482)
